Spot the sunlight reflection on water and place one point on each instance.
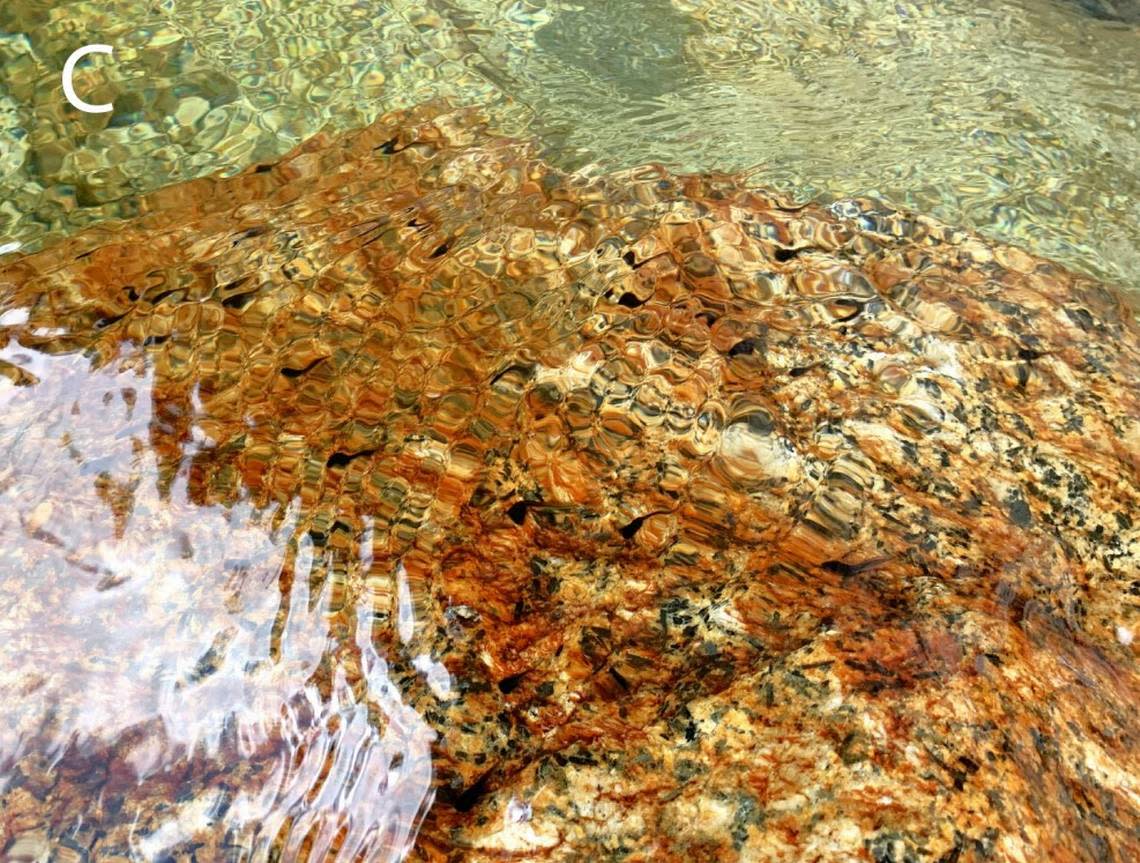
(131, 608)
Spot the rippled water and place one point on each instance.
(1017, 118)
(339, 497)
(168, 639)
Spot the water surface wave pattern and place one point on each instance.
(1017, 118)
(410, 497)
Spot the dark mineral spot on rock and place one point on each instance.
(1018, 509)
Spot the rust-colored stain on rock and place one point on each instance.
(633, 517)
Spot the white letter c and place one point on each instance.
(69, 70)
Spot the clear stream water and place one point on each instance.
(1016, 118)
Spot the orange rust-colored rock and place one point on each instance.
(740, 529)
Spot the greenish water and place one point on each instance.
(321, 521)
(1016, 118)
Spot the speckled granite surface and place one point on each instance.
(685, 523)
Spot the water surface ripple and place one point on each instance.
(1016, 118)
(413, 496)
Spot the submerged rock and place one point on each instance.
(1123, 11)
(682, 521)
